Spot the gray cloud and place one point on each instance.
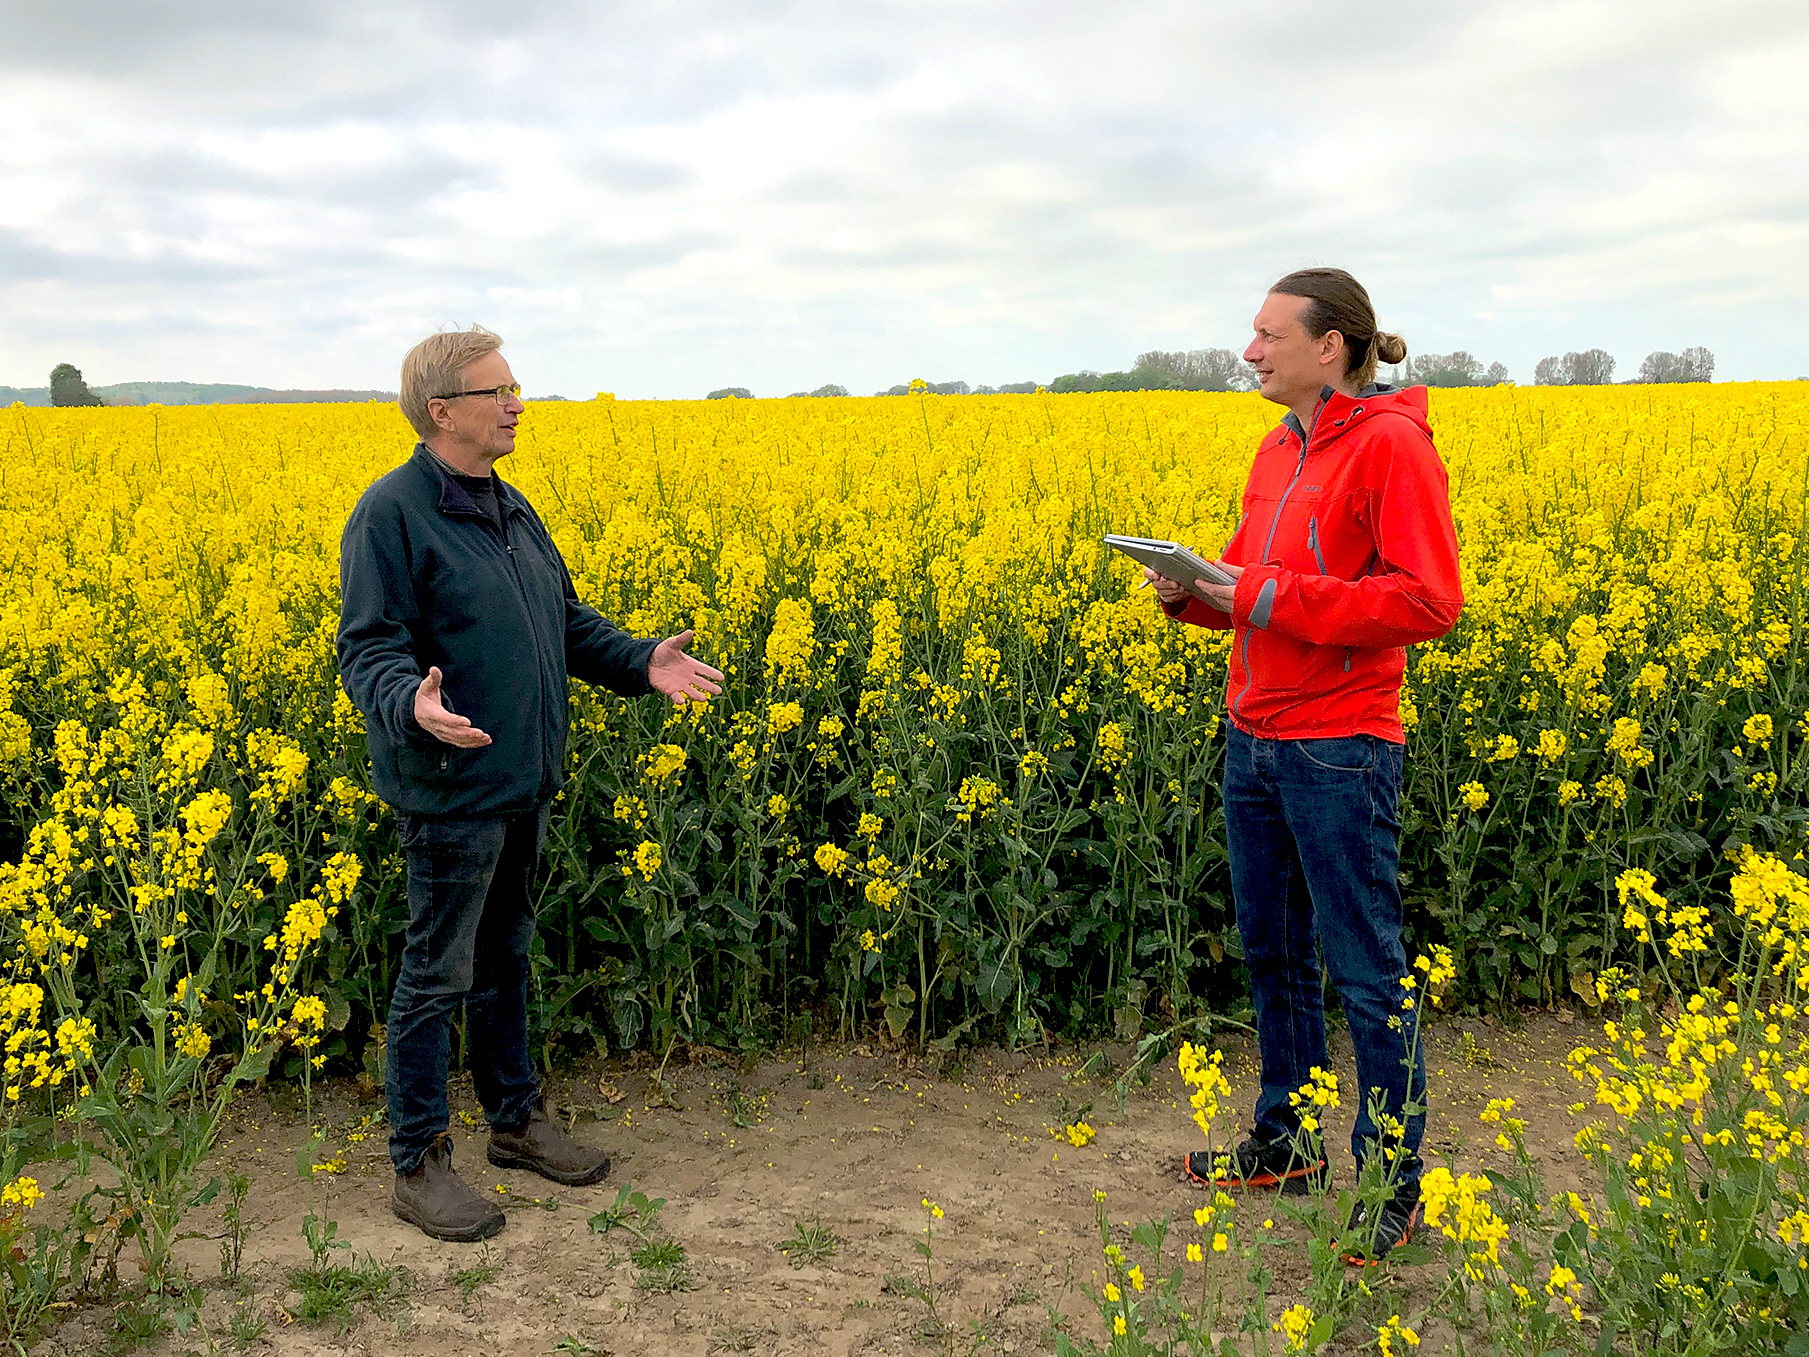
(662, 199)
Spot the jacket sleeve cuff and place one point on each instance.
(1191, 609)
(1254, 602)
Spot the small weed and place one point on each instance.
(740, 1109)
(662, 1267)
(811, 1244)
(232, 1248)
(246, 1327)
(471, 1280)
(929, 1329)
(1473, 1053)
(577, 1347)
(632, 1211)
(906, 1288)
(136, 1322)
(657, 1253)
(737, 1338)
(337, 1291)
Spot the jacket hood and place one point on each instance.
(1338, 413)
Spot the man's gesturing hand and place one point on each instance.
(682, 677)
(448, 727)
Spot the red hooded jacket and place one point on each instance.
(1349, 557)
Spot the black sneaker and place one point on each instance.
(1261, 1163)
(1374, 1231)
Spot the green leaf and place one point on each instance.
(253, 1065)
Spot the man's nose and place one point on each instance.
(1252, 353)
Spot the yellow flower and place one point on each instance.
(1392, 1332)
(22, 1192)
(662, 763)
(1757, 731)
(192, 1041)
(647, 858)
(1296, 1326)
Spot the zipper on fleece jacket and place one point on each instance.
(548, 772)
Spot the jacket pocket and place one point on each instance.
(430, 765)
(1313, 542)
(1277, 663)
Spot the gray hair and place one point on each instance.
(434, 367)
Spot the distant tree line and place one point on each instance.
(1595, 367)
(1459, 368)
(68, 388)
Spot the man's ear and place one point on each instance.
(1331, 346)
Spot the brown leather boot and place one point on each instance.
(437, 1200)
(542, 1145)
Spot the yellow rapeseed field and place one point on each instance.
(963, 772)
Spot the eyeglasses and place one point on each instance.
(503, 394)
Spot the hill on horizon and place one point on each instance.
(195, 393)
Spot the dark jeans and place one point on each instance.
(1314, 833)
(470, 924)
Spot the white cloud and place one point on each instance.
(663, 199)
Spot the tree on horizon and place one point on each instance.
(68, 388)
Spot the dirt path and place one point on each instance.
(854, 1138)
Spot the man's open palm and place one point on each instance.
(681, 677)
(445, 725)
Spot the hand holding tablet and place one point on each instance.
(1171, 560)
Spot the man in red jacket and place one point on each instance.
(1345, 556)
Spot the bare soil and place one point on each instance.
(851, 1136)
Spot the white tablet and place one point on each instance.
(1169, 559)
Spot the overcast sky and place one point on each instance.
(664, 197)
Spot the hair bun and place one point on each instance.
(1390, 348)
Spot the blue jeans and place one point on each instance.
(1314, 833)
(470, 924)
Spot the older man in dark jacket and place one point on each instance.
(458, 628)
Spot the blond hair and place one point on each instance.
(435, 366)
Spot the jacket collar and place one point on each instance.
(1336, 411)
(455, 499)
